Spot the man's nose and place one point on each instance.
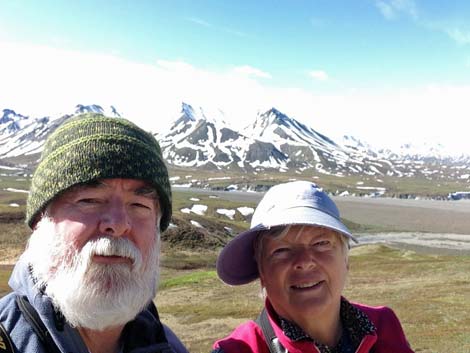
(115, 220)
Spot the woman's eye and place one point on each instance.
(322, 244)
(280, 251)
(140, 205)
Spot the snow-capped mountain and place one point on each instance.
(358, 145)
(22, 135)
(94, 108)
(273, 142)
(194, 140)
(412, 151)
(303, 146)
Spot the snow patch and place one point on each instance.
(199, 209)
(378, 188)
(16, 190)
(9, 168)
(246, 211)
(196, 224)
(229, 213)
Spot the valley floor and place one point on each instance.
(381, 213)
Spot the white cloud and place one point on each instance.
(392, 9)
(455, 28)
(235, 32)
(319, 75)
(251, 71)
(386, 9)
(200, 22)
(423, 114)
(203, 23)
(39, 81)
(458, 35)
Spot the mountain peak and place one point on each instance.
(11, 115)
(267, 119)
(188, 112)
(97, 109)
(275, 115)
(273, 111)
(93, 108)
(115, 112)
(271, 121)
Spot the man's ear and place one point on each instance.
(35, 221)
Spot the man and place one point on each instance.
(99, 199)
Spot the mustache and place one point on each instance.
(112, 246)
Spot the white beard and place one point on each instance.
(91, 295)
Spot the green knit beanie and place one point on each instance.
(90, 147)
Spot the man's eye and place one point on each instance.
(88, 201)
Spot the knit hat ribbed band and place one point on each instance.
(90, 147)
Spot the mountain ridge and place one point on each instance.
(272, 142)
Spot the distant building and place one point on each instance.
(459, 195)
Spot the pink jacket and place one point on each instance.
(388, 337)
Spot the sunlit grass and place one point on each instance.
(196, 277)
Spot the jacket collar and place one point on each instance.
(356, 326)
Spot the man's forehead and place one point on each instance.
(132, 185)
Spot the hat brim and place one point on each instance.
(236, 263)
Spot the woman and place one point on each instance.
(298, 248)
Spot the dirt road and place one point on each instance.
(429, 243)
(408, 215)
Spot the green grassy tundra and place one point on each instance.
(429, 293)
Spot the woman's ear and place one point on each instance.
(261, 277)
(263, 293)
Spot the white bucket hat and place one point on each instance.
(298, 202)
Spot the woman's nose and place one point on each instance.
(303, 258)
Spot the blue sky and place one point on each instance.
(343, 67)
